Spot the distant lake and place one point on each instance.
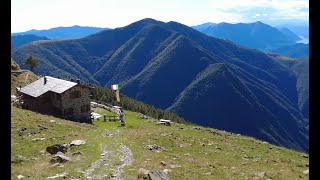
(303, 40)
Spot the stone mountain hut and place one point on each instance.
(66, 99)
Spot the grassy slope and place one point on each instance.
(202, 154)
(22, 79)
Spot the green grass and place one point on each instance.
(202, 154)
(21, 79)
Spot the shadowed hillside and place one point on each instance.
(19, 40)
(298, 50)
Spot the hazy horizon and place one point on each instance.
(45, 14)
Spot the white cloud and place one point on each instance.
(266, 9)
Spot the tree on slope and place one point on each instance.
(31, 62)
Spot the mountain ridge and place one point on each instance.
(253, 35)
(63, 32)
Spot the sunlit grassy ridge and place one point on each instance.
(190, 153)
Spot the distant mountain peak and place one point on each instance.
(209, 23)
(148, 20)
(258, 22)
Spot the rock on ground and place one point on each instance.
(20, 177)
(77, 142)
(59, 158)
(261, 174)
(143, 173)
(57, 147)
(157, 175)
(62, 175)
(153, 147)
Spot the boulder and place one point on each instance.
(157, 175)
(77, 142)
(57, 147)
(261, 174)
(20, 177)
(59, 158)
(143, 173)
(154, 147)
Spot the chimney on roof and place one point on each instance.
(78, 81)
(71, 79)
(45, 79)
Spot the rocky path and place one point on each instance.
(18, 71)
(124, 154)
(97, 163)
(125, 159)
(27, 77)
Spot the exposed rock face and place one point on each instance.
(57, 147)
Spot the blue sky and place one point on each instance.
(46, 14)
